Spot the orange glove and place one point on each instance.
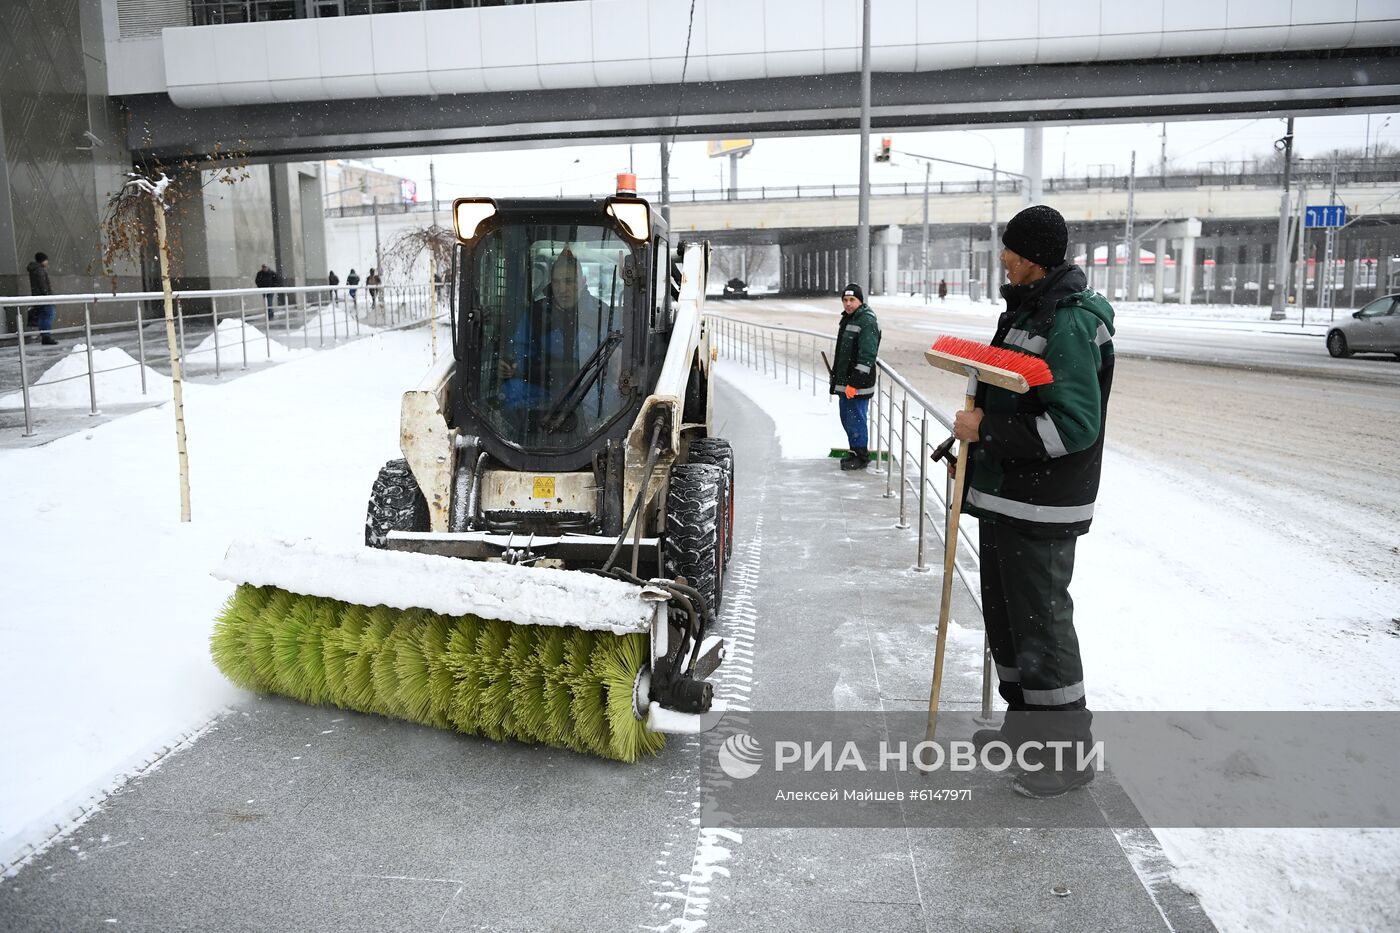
(850, 391)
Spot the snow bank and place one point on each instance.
(232, 334)
(117, 374)
(807, 426)
(400, 580)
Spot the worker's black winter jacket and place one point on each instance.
(857, 348)
(1037, 461)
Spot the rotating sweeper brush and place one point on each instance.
(546, 561)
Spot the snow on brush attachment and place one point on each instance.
(573, 660)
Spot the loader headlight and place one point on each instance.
(634, 216)
(468, 213)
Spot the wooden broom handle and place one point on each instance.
(950, 555)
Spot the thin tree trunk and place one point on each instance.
(175, 374)
(432, 292)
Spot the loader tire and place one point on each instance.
(395, 504)
(718, 452)
(695, 530)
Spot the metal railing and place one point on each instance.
(291, 318)
(897, 408)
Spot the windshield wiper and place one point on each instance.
(578, 388)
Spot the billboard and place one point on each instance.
(724, 147)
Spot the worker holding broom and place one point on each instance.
(1034, 465)
(853, 373)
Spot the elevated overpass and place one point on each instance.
(445, 80)
(1200, 224)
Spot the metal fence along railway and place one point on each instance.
(277, 319)
(899, 430)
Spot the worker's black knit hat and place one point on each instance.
(41, 257)
(853, 289)
(1039, 234)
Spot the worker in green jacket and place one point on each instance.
(1034, 477)
(853, 372)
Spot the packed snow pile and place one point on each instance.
(522, 595)
(232, 335)
(338, 323)
(117, 375)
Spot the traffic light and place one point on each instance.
(884, 154)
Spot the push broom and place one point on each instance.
(1006, 369)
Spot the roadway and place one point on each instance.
(1260, 411)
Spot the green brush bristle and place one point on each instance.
(411, 669)
(560, 686)
(432, 644)
(615, 664)
(228, 644)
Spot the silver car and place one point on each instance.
(1373, 329)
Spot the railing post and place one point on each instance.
(889, 447)
(986, 678)
(214, 316)
(903, 456)
(92, 377)
(786, 364)
(920, 566)
(335, 328)
(872, 421)
(141, 346)
(23, 373)
(243, 329)
(320, 325)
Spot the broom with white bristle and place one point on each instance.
(1006, 369)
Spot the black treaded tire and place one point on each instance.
(1337, 344)
(694, 545)
(395, 504)
(718, 452)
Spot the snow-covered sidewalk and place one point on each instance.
(109, 599)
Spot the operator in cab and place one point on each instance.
(567, 329)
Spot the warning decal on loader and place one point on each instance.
(544, 487)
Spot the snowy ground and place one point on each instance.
(1185, 602)
(107, 639)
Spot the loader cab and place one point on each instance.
(561, 322)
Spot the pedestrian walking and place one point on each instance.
(853, 373)
(372, 286)
(1033, 478)
(266, 278)
(942, 289)
(333, 280)
(352, 280)
(41, 316)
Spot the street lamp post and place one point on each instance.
(993, 258)
(928, 167)
(992, 246)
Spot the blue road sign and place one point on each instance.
(1325, 215)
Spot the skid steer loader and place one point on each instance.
(549, 554)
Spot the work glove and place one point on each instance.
(850, 392)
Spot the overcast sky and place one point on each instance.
(815, 160)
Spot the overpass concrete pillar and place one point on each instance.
(1159, 272)
(1032, 162)
(890, 238)
(1186, 262)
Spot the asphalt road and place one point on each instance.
(1266, 416)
